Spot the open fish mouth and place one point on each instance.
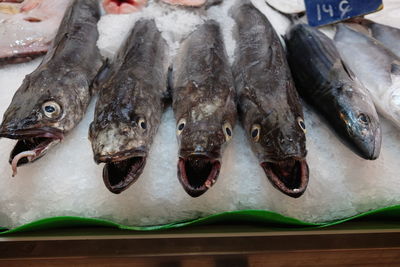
(32, 144)
(288, 176)
(123, 6)
(197, 173)
(120, 173)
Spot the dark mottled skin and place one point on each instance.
(331, 88)
(266, 93)
(64, 76)
(134, 92)
(203, 95)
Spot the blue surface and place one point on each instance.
(322, 12)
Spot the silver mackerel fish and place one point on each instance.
(131, 103)
(53, 98)
(387, 35)
(376, 66)
(204, 105)
(327, 84)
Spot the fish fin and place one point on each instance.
(102, 75)
(348, 70)
(395, 68)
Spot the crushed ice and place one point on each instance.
(68, 182)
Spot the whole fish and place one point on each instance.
(376, 67)
(27, 29)
(332, 89)
(130, 106)
(54, 97)
(387, 35)
(204, 106)
(268, 104)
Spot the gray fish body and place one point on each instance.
(204, 106)
(268, 103)
(331, 88)
(129, 109)
(376, 67)
(387, 35)
(53, 98)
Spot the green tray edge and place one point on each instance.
(263, 217)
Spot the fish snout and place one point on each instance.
(289, 145)
(370, 147)
(203, 142)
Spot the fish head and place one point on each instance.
(121, 138)
(200, 148)
(278, 140)
(361, 123)
(41, 112)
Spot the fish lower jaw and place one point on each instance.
(29, 150)
(119, 175)
(197, 174)
(289, 176)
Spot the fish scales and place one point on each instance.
(204, 106)
(268, 103)
(331, 88)
(53, 98)
(131, 103)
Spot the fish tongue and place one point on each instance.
(27, 156)
(28, 150)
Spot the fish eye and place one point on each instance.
(362, 118)
(227, 129)
(255, 132)
(51, 109)
(142, 123)
(181, 126)
(301, 123)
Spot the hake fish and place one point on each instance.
(27, 29)
(268, 104)
(130, 106)
(376, 67)
(333, 90)
(54, 97)
(204, 105)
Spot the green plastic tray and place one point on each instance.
(245, 216)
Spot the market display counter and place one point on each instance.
(362, 242)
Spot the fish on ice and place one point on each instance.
(203, 100)
(328, 84)
(53, 98)
(129, 109)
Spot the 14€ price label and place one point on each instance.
(322, 12)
